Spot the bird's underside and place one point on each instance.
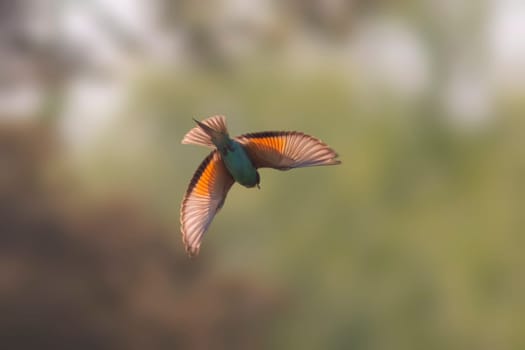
(209, 186)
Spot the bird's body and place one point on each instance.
(237, 160)
(239, 164)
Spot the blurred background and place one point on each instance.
(414, 242)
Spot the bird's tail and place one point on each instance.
(210, 129)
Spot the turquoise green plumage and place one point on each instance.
(239, 165)
(237, 160)
(233, 155)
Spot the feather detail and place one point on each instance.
(197, 136)
(285, 150)
(212, 180)
(204, 198)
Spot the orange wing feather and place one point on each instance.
(285, 150)
(204, 198)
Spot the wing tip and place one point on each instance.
(192, 251)
(192, 248)
(332, 160)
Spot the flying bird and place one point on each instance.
(237, 160)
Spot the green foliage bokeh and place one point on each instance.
(413, 242)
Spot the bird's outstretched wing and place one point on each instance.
(285, 150)
(204, 198)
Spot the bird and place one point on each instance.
(237, 160)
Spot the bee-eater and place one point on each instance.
(237, 160)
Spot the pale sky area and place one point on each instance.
(506, 38)
(379, 47)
